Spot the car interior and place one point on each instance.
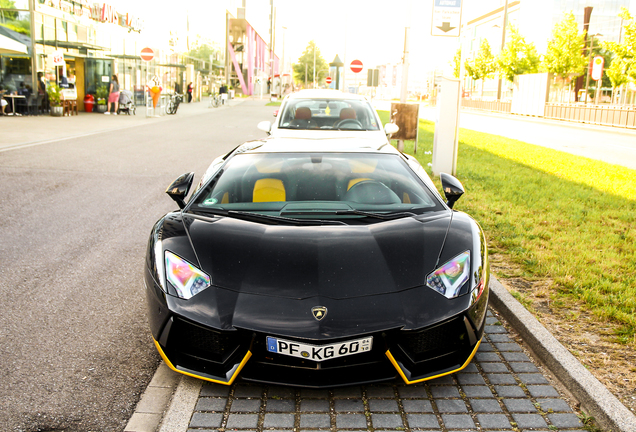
(328, 114)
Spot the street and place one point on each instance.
(76, 215)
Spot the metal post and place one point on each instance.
(589, 60)
(34, 63)
(503, 44)
(227, 53)
(314, 85)
(271, 46)
(405, 77)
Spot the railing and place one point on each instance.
(487, 105)
(606, 115)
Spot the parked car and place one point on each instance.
(327, 114)
(316, 263)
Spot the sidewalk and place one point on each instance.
(34, 130)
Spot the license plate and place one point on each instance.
(318, 352)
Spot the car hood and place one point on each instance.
(299, 262)
(327, 134)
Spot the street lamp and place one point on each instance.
(589, 61)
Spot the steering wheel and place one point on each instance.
(352, 122)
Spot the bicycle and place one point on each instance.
(215, 100)
(173, 103)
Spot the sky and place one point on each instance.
(371, 31)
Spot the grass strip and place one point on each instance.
(559, 217)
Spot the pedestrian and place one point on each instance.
(113, 95)
(190, 92)
(223, 93)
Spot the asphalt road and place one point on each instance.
(75, 351)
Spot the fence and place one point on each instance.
(606, 115)
(487, 105)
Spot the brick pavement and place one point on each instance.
(501, 390)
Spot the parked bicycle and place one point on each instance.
(215, 100)
(173, 103)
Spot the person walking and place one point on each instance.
(190, 88)
(223, 93)
(113, 96)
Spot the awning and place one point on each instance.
(10, 46)
(73, 45)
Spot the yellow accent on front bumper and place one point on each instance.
(229, 382)
(406, 380)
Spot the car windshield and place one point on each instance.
(318, 186)
(325, 114)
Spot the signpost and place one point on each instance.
(447, 17)
(597, 75)
(356, 66)
(147, 54)
(328, 80)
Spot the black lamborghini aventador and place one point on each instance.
(316, 263)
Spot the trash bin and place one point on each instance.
(89, 102)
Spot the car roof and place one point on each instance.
(324, 94)
(318, 145)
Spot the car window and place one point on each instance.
(311, 182)
(325, 114)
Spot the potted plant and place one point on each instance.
(102, 94)
(55, 99)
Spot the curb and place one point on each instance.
(607, 410)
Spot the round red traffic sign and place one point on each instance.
(356, 66)
(328, 80)
(147, 54)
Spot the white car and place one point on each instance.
(327, 114)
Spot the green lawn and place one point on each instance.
(559, 217)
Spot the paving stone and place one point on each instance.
(519, 405)
(383, 405)
(349, 405)
(351, 421)
(281, 392)
(494, 329)
(494, 367)
(493, 421)
(444, 392)
(509, 391)
(529, 421)
(515, 357)
(206, 420)
(492, 320)
(242, 421)
(380, 392)
(556, 405)
(485, 405)
(417, 406)
(451, 406)
(423, 421)
(348, 392)
(445, 380)
(386, 421)
(412, 392)
(278, 421)
(314, 405)
(499, 338)
(486, 347)
(532, 378)
(280, 405)
(471, 368)
(314, 393)
(482, 357)
(507, 346)
(542, 391)
(565, 420)
(214, 390)
(248, 391)
(211, 404)
(477, 391)
(315, 420)
(470, 378)
(523, 367)
(458, 421)
(501, 379)
(245, 405)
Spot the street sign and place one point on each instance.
(58, 58)
(447, 17)
(328, 80)
(356, 66)
(147, 54)
(597, 68)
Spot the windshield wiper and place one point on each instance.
(258, 217)
(383, 216)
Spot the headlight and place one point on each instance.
(449, 278)
(184, 277)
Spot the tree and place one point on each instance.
(456, 62)
(204, 49)
(564, 56)
(482, 66)
(623, 66)
(306, 64)
(518, 56)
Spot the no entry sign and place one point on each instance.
(356, 66)
(147, 54)
(328, 80)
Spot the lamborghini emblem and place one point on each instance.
(319, 312)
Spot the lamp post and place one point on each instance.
(589, 61)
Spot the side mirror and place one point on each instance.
(452, 187)
(265, 126)
(391, 128)
(179, 188)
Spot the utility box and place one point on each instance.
(406, 117)
(445, 141)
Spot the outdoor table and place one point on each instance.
(13, 98)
